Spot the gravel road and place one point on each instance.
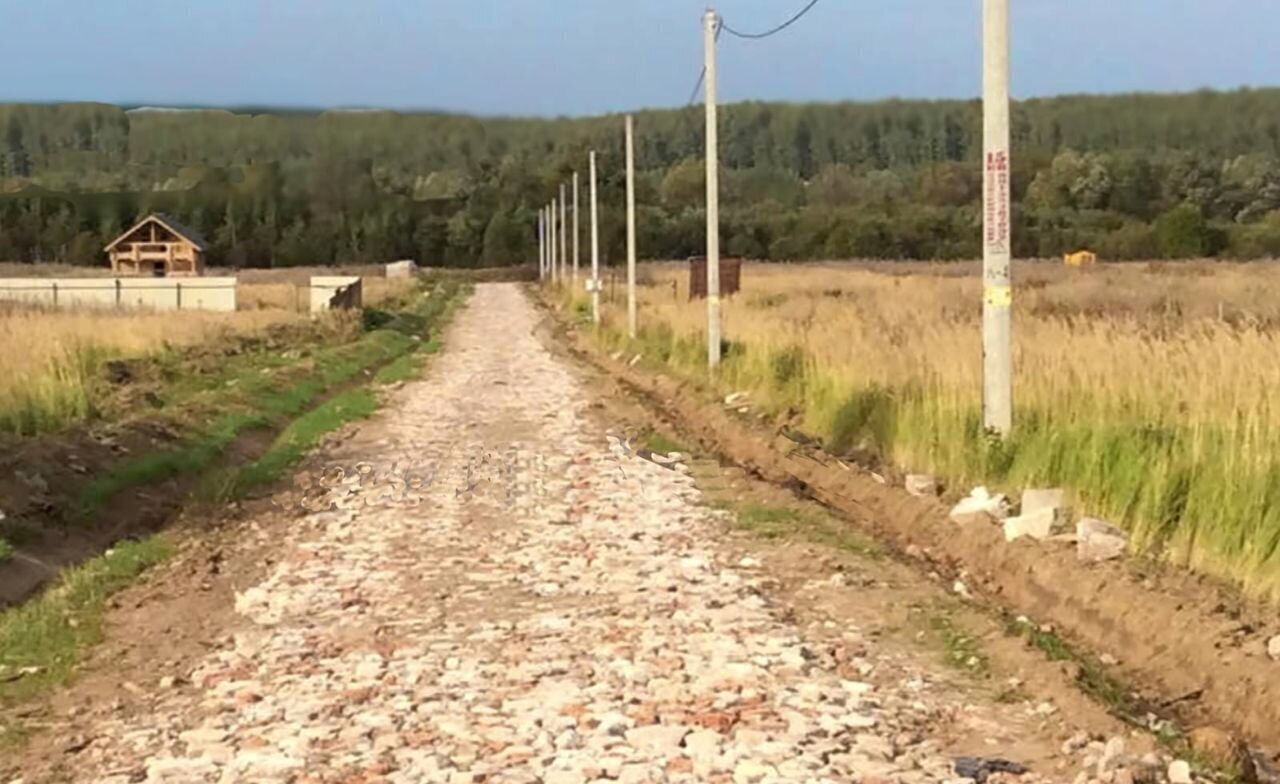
(491, 592)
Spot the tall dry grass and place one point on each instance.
(52, 358)
(1149, 390)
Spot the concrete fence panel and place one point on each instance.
(401, 269)
(336, 292)
(216, 294)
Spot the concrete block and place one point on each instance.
(335, 291)
(1036, 499)
(401, 269)
(1038, 525)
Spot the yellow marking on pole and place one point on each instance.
(999, 296)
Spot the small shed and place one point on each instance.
(730, 277)
(158, 246)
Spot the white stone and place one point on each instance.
(750, 771)
(657, 738)
(1098, 540)
(703, 745)
(980, 506)
(1273, 648)
(1180, 772)
(921, 485)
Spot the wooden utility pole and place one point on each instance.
(564, 236)
(595, 246)
(713, 195)
(576, 233)
(631, 226)
(997, 300)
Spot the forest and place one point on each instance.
(1130, 176)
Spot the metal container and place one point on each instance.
(730, 277)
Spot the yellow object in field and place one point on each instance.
(1083, 258)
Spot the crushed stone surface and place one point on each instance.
(485, 589)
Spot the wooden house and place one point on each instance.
(158, 246)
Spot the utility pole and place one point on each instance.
(542, 245)
(631, 226)
(576, 233)
(997, 249)
(595, 246)
(555, 273)
(713, 195)
(564, 236)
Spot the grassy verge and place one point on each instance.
(41, 641)
(264, 389)
(1198, 488)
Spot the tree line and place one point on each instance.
(1130, 176)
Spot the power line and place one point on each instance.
(702, 75)
(775, 30)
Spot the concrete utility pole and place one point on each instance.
(631, 226)
(595, 246)
(713, 195)
(542, 246)
(564, 236)
(997, 300)
(576, 233)
(555, 272)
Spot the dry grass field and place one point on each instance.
(52, 358)
(1151, 390)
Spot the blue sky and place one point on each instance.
(550, 57)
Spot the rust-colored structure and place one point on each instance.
(730, 277)
(158, 246)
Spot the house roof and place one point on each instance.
(188, 234)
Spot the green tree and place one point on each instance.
(1183, 233)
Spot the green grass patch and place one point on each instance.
(1091, 677)
(782, 522)
(961, 650)
(299, 438)
(657, 442)
(42, 641)
(407, 368)
(160, 466)
(6, 550)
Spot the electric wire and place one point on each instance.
(774, 31)
(702, 75)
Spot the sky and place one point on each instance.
(580, 57)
